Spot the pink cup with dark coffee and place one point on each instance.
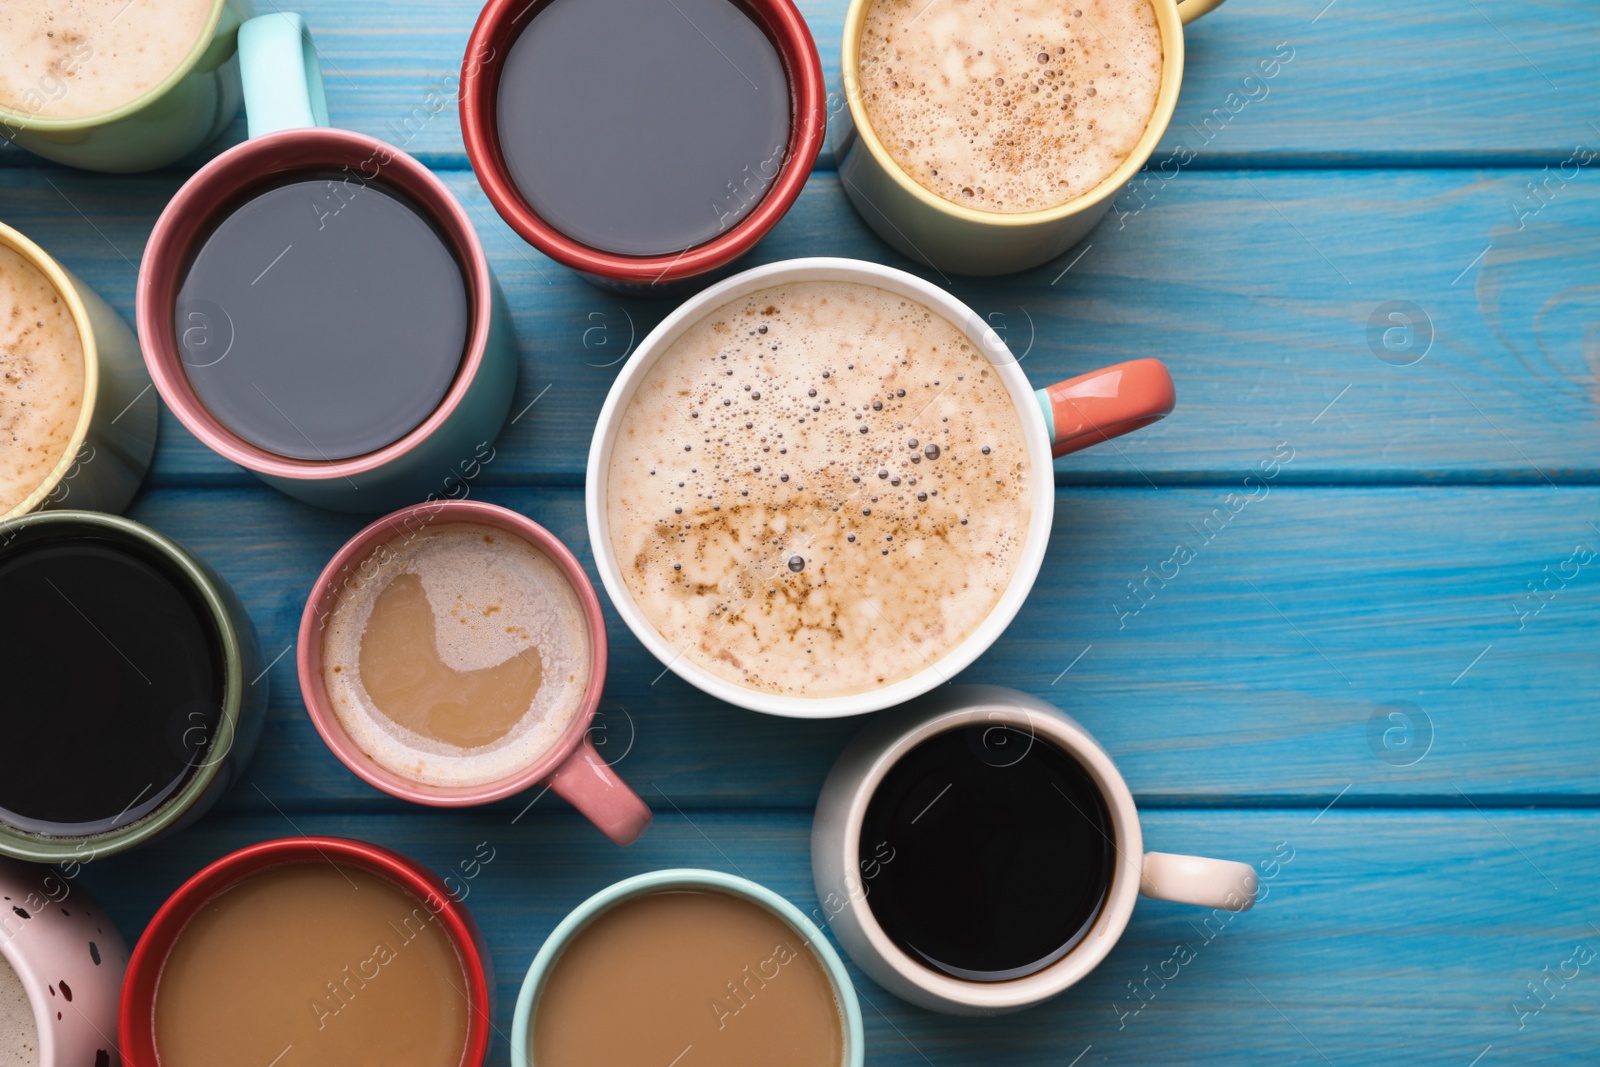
(315, 305)
(454, 653)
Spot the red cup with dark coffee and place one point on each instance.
(646, 147)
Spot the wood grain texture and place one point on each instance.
(1381, 935)
(1268, 293)
(1340, 660)
(1440, 81)
(1255, 674)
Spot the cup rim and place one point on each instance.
(225, 176)
(320, 603)
(58, 277)
(1170, 27)
(692, 878)
(25, 964)
(791, 38)
(982, 337)
(37, 848)
(20, 121)
(136, 1007)
(1116, 908)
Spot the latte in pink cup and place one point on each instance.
(454, 653)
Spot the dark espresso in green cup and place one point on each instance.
(133, 684)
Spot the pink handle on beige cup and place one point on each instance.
(1106, 403)
(572, 766)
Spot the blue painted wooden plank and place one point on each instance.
(1351, 82)
(1270, 295)
(1380, 935)
(1261, 664)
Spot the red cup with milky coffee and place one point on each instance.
(436, 903)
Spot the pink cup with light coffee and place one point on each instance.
(453, 653)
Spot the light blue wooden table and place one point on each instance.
(1351, 671)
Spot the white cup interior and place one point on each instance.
(983, 338)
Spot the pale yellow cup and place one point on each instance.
(115, 437)
(961, 240)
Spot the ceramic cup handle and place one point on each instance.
(282, 81)
(589, 784)
(1189, 10)
(1106, 403)
(1209, 883)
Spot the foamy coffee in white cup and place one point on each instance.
(1010, 105)
(819, 489)
(67, 59)
(822, 487)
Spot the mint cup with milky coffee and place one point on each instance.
(823, 486)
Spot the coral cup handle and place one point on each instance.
(1106, 403)
(589, 784)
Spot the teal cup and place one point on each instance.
(522, 1022)
(184, 110)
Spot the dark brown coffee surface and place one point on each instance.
(991, 852)
(643, 128)
(114, 679)
(323, 318)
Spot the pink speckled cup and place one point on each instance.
(70, 960)
(572, 767)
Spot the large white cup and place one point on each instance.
(1061, 418)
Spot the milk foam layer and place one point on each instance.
(41, 378)
(1010, 105)
(66, 59)
(19, 1031)
(493, 596)
(819, 489)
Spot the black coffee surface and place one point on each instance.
(986, 853)
(113, 684)
(643, 127)
(322, 318)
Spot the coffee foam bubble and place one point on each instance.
(66, 59)
(1010, 105)
(41, 378)
(493, 595)
(19, 1031)
(819, 489)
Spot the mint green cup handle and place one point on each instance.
(282, 81)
